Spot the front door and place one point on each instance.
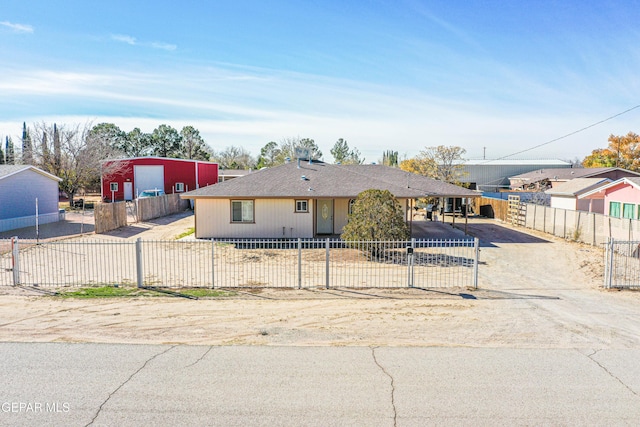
(128, 191)
(324, 216)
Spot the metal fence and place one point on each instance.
(295, 263)
(622, 264)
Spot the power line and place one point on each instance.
(570, 134)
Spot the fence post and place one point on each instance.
(609, 276)
(139, 262)
(299, 263)
(213, 264)
(476, 261)
(326, 243)
(410, 249)
(15, 260)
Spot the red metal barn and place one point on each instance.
(123, 179)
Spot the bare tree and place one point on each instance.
(233, 158)
(81, 154)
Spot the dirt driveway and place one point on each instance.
(536, 291)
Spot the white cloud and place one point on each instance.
(132, 41)
(124, 39)
(163, 46)
(250, 107)
(17, 28)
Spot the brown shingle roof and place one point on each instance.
(320, 179)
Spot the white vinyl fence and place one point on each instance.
(294, 263)
(586, 227)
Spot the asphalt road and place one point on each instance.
(98, 384)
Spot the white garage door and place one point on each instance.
(148, 178)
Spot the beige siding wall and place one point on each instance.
(563, 202)
(274, 218)
(341, 208)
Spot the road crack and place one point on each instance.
(201, 357)
(393, 387)
(125, 382)
(590, 356)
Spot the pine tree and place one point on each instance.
(57, 151)
(10, 154)
(27, 148)
(1, 155)
(390, 158)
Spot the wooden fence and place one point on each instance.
(492, 208)
(109, 216)
(155, 207)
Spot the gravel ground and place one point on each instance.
(536, 291)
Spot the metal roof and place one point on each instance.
(8, 170)
(577, 186)
(564, 174)
(506, 162)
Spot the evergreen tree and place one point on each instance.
(376, 216)
(343, 154)
(1, 155)
(45, 161)
(27, 147)
(192, 145)
(57, 151)
(166, 141)
(10, 154)
(390, 158)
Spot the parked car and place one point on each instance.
(151, 193)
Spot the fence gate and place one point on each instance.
(622, 264)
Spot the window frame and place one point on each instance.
(242, 211)
(617, 209)
(179, 187)
(306, 206)
(625, 213)
(112, 185)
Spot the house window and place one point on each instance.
(351, 203)
(242, 211)
(113, 186)
(302, 206)
(179, 187)
(628, 210)
(614, 209)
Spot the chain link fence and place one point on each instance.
(287, 263)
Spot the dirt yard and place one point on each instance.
(535, 291)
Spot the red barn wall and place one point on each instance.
(175, 171)
(207, 174)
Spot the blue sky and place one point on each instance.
(403, 75)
